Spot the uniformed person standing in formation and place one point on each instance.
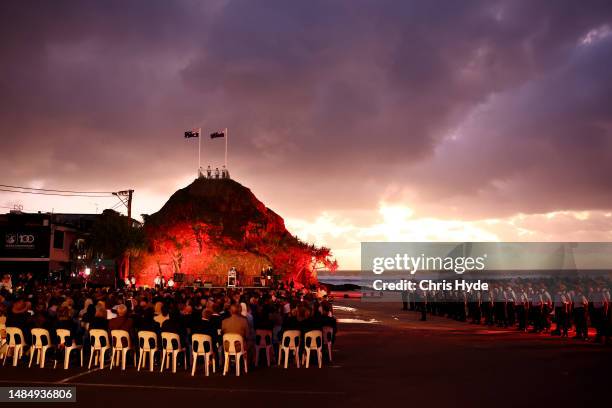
(487, 307)
(510, 306)
(421, 303)
(536, 310)
(525, 305)
(598, 311)
(561, 305)
(522, 309)
(405, 300)
(499, 306)
(581, 309)
(547, 307)
(474, 306)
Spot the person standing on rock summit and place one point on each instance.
(224, 173)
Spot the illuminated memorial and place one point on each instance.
(213, 225)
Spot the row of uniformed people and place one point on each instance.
(523, 305)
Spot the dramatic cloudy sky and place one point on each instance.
(355, 120)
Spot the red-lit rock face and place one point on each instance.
(213, 225)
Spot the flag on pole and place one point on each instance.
(192, 133)
(220, 133)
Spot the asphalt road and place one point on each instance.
(382, 356)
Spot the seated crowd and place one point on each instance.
(183, 311)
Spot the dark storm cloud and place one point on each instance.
(374, 87)
(323, 98)
(542, 146)
(82, 84)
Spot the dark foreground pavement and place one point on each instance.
(392, 360)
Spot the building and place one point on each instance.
(42, 242)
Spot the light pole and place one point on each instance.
(128, 204)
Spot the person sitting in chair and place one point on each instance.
(236, 323)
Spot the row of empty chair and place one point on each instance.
(119, 345)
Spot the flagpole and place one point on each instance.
(199, 150)
(226, 137)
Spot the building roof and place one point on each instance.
(75, 220)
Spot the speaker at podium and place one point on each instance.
(232, 278)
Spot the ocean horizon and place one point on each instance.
(343, 277)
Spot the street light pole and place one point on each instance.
(128, 203)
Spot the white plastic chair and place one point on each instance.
(202, 345)
(171, 346)
(147, 341)
(15, 342)
(313, 340)
(41, 342)
(122, 344)
(63, 335)
(3, 343)
(290, 343)
(263, 341)
(99, 345)
(328, 337)
(233, 345)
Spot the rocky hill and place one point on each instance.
(214, 224)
